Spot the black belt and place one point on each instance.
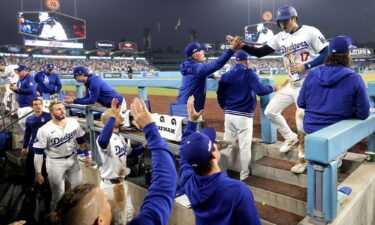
(62, 157)
(114, 181)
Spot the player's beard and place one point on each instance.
(60, 117)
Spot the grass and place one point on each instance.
(279, 79)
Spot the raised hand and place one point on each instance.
(114, 106)
(193, 115)
(142, 117)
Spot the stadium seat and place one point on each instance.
(178, 110)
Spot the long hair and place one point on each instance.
(334, 59)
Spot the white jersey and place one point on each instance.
(113, 157)
(10, 77)
(57, 141)
(302, 46)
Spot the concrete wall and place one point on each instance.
(359, 208)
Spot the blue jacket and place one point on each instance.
(330, 94)
(237, 91)
(97, 90)
(50, 84)
(26, 92)
(216, 199)
(157, 205)
(33, 123)
(194, 79)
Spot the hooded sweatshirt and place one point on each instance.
(331, 94)
(216, 199)
(97, 90)
(194, 79)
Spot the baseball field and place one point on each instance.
(279, 79)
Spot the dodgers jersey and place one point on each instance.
(301, 46)
(113, 157)
(58, 141)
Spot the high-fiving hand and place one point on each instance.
(193, 115)
(142, 117)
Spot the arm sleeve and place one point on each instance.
(106, 134)
(361, 102)
(221, 96)
(41, 139)
(157, 205)
(185, 168)
(318, 60)
(92, 97)
(256, 85)
(38, 162)
(27, 134)
(204, 70)
(246, 212)
(58, 84)
(258, 52)
(30, 87)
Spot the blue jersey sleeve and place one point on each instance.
(157, 205)
(186, 171)
(91, 96)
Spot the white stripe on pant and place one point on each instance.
(58, 170)
(241, 128)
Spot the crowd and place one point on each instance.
(64, 66)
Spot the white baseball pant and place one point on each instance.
(282, 99)
(21, 112)
(58, 170)
(241, 128)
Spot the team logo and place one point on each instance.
(53, 4)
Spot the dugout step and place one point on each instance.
(278, 169)
(15, 156)
(273, 215)
(276, 193)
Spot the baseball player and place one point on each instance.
(10, 77)
(195, 74)
(26, 92)
(236, 94)
(57, 139)
(97, 90)
(48, 82)
(303, 47)
(113, 151)
(33, 123)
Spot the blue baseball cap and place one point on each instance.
(50, 66)
(340, 44)
(242, 56)
(199, 146)
(193, 47)
(79, 70)
(21, 67)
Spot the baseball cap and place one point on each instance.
(193, 47)
(50, 66)
(199, 146)
(80, 69)
(21, 67)
(340, 44)
(242, 56)
(285, 12)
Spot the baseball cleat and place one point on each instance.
(288, 144)
(299, 167)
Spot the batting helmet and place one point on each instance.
(286, 12)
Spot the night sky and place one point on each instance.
(212, 19)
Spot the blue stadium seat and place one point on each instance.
(178, 110)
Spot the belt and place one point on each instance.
(114, 181)
(62, 157)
